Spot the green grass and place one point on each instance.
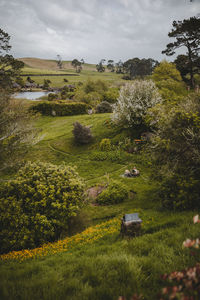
(111, 266)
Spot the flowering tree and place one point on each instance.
(134, 101)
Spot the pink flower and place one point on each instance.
(196, 219)
(188, 243)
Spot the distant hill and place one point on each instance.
(39, 63)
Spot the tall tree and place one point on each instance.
(59, 62)
(186, 34)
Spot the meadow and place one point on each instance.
(94, 261)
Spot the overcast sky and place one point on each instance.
(92, 29)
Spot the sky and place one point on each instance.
(92, 29)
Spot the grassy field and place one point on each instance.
(98, 263)
(40, 66)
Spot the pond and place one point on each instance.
(30, 95)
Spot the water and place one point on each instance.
(31, 95)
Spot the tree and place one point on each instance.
(59, 61)
(169, 82)
(175, 152)
(140, 67)
(16, 126)
(134, 101)
(183, 65)
(119, 67)
(187, 34)
(100, 68)
(77, 65)
(111, 65)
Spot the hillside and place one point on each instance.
(48, 64)
(95, 262)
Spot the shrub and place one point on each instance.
(103, 107)
(52, 96)
(115, 193)
(105, 145)
(60, 108)
(82, 134)
(134, 101)
(175, 153)
(111, 95)
(37, 206)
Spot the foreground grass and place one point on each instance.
(106, 268)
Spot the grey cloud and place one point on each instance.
(93, 29)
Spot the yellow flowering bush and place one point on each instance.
(36, 207)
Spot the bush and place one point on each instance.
(52, 96)
(115, 193)
(105, 145)
(103, 107)
(60, 108)
(111, 95)
(134, 101)
(175, 153)
(82, 134)
(37, 206)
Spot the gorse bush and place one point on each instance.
(82, 134)
(60, 108)
(115, 193)
(37, 206)
(134, 101)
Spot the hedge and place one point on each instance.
(49, 108)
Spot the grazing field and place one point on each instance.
(39, 66)
(95, 262)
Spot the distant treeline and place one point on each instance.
(50, 75)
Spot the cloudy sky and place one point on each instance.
(92, 29)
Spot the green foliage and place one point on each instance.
(169, 82)
(82, 134)
(111, 95)
(186, 34)
(105, 145)
(103, 107)
(60, 108)
(52, 96)
(37, 206)
(115, 193)
(175, 153)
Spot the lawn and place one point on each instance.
(95, 262)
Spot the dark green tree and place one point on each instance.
(119, 67)
(100, 67)
(186, 34)
(110, 65)
(77, 65)
(139, 67)
(59, 62)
